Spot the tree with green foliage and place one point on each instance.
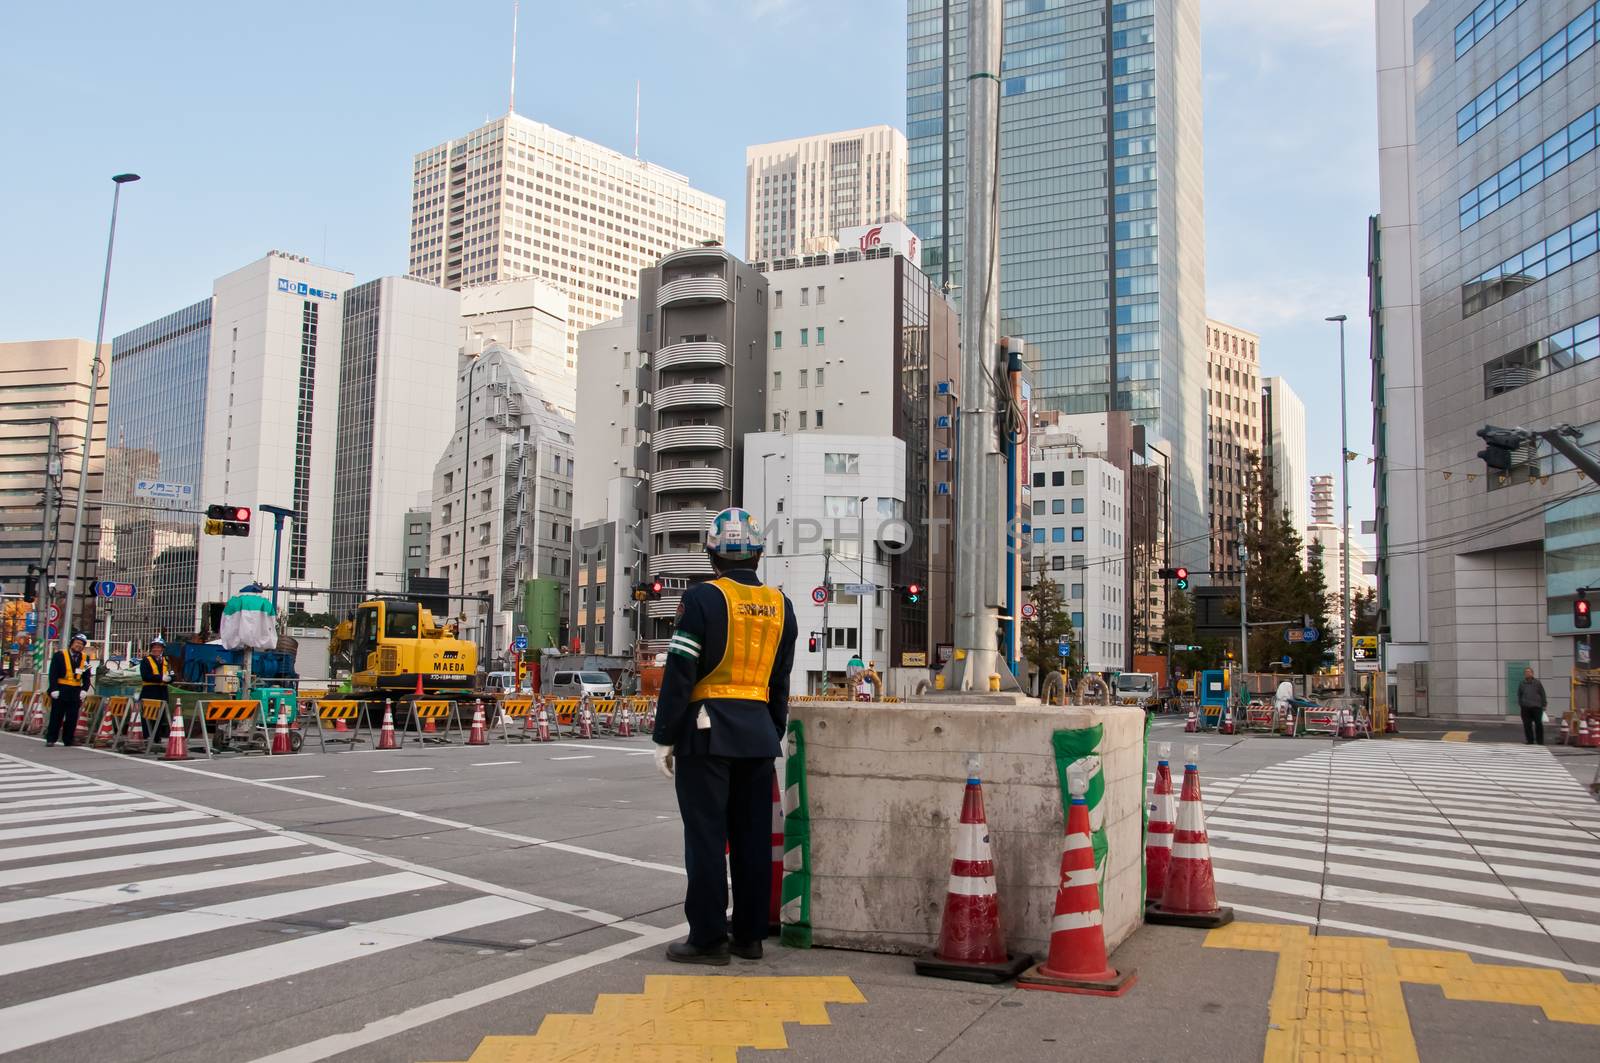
(1042, 634)
(1365, 608)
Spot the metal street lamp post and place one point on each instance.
(1344, 479)
(70, 613)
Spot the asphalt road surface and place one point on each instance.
(408, 905)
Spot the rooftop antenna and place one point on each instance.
(515, 10)
(636, 120)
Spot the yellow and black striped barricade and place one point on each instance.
(112, 709)
(605, 715)
(332, 714)
(227, 714)
(566, 714)
(433, 720)
(137, 730)
(157, 720)
(511, 714)
(86, 715)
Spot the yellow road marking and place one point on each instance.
(697, 1019)
(1339, 998)
(1456, 736)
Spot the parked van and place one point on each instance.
(572, 684)
(501, 683)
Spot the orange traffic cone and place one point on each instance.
(177, 738)
(1190, 896)
(1192, 724)
(475, 737)
(386, 730)
(774, 912)
(339, 726)
(972, 945)
(106, 732)
(1077, 961)
(1158, 837)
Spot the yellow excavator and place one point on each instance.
(394, 642)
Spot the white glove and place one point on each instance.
(664, 760)
(53, 694)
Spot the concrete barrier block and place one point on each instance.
(885, 783)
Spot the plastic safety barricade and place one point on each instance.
(434, 721)
(340, 722)
(509, 710)
(1258, 716)
(566, 712)
(232, 712)
(141, 721)
(110, 710)
(38, 713)
(1319, 719)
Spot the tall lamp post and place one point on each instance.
(70, 613)
(1344, 550)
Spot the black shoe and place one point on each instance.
(712, 956)
(746, 950)
(47, 745)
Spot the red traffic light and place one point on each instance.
(811, 644)
(241, 513)
(1181, 573)
(1580, 609)
(913, 588)
(656, 587)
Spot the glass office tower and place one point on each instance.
(1102, 240)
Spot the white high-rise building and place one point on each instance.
(1283, 455)
(800, 193)
(529, 316)
(516, 198)
(271, 414)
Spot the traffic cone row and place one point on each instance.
(386, 731)
(972, 946)
(1189, 896)
(476, 737)
(177, 737)
(1158, 839)
(1077, 962)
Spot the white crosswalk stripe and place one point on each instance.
(1494, 838)
(91, 847)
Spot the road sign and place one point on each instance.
(819, 594)
(55, 613)
(859, 589)
(1029, 610)
(1286, 660)
(519, 643)
(1064, 646)
(50, 632)
(161, 489)
(30, 623)
(1300, 634)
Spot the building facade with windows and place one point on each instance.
(528, 315)
(517, 198)
(41, 380)
(417, 535)
(1283, 454)
(501, 522)
(1079, 528)
(399, 352)
(1322, 504)
(1509, 292)
(1101, 214)
(800, 193)
(155, 428)
(271, 418)
(1234, 441)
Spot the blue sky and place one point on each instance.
(260, 126)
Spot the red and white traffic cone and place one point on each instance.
(1226, 727)
(1190, 896)
(544, 722)
(1077, 962)
(1580, 737)
(36, 719)
(280, 734)
(1566, 733)
(624, 721)
(19, 713)
(386, 731)
(1391, 723)
(177, 738)
(476, 737)
(650, 718)
(972, 945)
(585, 720)
(80, 732)
(106, 732)
(1591, 737)
(1158, 837)
(774, 911)
(1347, 724)
(133, 734)
(1192, 724)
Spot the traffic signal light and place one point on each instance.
(811, 644)
(640, 592)
(911, 593)
(1580, 608)
(227, 520)
(1501, 442)
(30, 587)
(656, 587)
(1180, 578)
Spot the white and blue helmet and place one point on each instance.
(734, 535)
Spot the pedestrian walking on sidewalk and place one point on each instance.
(69, 674)
(1532, 701)
(721, 712)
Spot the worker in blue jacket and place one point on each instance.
(720, 715)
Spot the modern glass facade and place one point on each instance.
(155, 433)
(1101, 220)
(352, 478)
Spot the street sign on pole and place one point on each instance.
(1029, 610)
(1064, 646)
(858, 589)
(1287, 660)
(819, 594)
(161, 489)
(519, 643)
(1300, 634)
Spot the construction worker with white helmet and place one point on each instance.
(155, 671)
(720, 716)
(69, 675)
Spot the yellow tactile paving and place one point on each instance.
(699, 1019)
(1339, 998)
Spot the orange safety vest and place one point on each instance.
(755, 628)
(160, 669)
(70, 676)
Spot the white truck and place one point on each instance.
(1134, 688)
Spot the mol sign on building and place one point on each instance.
(890, 233)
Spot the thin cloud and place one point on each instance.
(1302, 19)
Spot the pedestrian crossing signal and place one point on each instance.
(1580, 609)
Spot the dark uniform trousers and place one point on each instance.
(63, 723)
(725, 800)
